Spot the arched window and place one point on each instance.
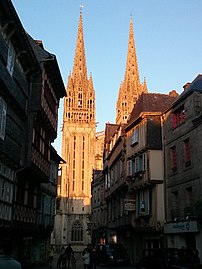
(77, 231)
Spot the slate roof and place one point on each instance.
(151, 102)
(195, 85)
(43, 56)
(110, 130)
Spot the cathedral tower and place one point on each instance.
(78, 150)
(131, 87)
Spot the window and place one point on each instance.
(175, 205)
(189, 196)
(3, 108)
(145, 202)
(173, 159)
(10, 58)
(135, 136)
(187, 153)
(129, 168)
(74, 142)
(77, 231)
(73, 185)
(178, 117)
(144, 165)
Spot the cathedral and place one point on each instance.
(81, 153)
(82, 147)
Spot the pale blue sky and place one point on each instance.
(168, 38)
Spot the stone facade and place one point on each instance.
(183, 183)
(79, 151)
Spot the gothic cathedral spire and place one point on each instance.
(131, 87)
(78, 150)
(80, 101)
(79, 73)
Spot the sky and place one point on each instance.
(168, 39)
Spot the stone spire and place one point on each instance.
(80, 101)
(130, 88)
(79, 73)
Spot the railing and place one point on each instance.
(140, 179)
(120, 221)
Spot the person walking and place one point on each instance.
(62, 258)
(69, 252)
(86, 256)
(73, 261)
(50, 256)
(6, 259)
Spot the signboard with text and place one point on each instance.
(129, 204)
(181, 227)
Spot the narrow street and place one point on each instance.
(79, 264)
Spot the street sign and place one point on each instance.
(129, 204)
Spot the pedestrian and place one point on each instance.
(68, 252)
(93, 259)
(73, 261)
(86, 256)
(50, 256)
(6, 259)
(62, 258)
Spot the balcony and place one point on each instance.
(140, 180)
(121, 221)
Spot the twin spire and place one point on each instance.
(130, 88)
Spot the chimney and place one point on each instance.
(186, 86)
(173, 93)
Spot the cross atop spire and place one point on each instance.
(81, 8)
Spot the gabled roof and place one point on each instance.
(110, 130)
(10, 18)
(50, 61)
(195, 85)
(150, 102)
